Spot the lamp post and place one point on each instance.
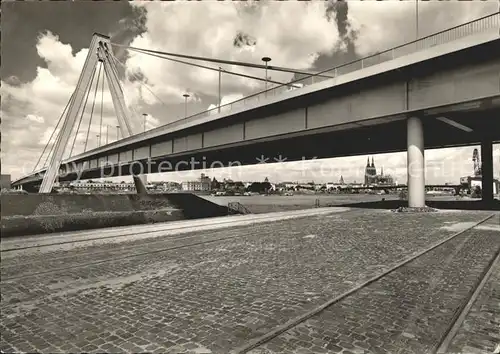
(416, 18)
(220, 99)
(107, 134)
(185, 104)
(117, 132)
(98, 140)
(266, 60)
(144, 115)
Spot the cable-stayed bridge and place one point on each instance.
(444, 87)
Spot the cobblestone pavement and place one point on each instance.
(407, 311)
(480, 331)
(210, 291)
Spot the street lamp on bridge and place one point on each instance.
(185, 104)
(117, 132)
(107, 134)
(220, 98)
(98, 140)
(145, 115)
(266, 60)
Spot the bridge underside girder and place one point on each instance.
(383, 138)
(338, 140)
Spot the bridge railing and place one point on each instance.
(473, 27)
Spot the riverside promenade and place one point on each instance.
(325, 280)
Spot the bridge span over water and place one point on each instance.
(439, 91)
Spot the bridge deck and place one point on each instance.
(406, 58)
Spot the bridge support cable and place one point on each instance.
(288, 84)
(219, 70)
(93, 105)
(83, 111)
(138, 79)
(53, 145)
(51, 149)
(230, 62)
(214, 69)
(53, 132)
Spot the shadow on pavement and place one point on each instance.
(438, 204)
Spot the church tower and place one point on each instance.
(367, 170)
(370, 171)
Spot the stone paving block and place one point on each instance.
(480, 331)
(216, 290)
(421, 296)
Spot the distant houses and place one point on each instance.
(108, 186)
(205, 184)
(202, 184)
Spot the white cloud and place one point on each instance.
(59, 58)
(224, 101)
(35, 118)
(171, 28)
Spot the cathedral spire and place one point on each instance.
(382, 171)
(373, 164)
(368, 161)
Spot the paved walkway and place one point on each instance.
(215, 290)
(407, 311)
(480, 331)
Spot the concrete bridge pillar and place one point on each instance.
(416, 163)
(487, 170)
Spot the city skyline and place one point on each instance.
(440, 169)
(42, 61)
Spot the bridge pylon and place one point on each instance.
(99, 51)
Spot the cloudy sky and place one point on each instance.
(44, 46)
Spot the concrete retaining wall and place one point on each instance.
(40, 224)
(28, 214)
(54, 204)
